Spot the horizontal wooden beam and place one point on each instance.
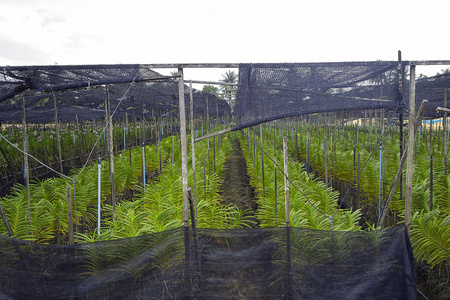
(444, 109)
(192, 65)
(213, 82)
(213, 134)
(429, 62)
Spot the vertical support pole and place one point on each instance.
(58, 140)
(379, 179)
(25, 159)
(194, 179)
(431, 182)
(5, 221)
(69, 216)
(262, 160)
(99, 192)
(308, 142)
(410, 161)
(276, 190)
(325, 148)
(444, 119)
(184, 170)
(143, 165)
(286, 180)
(358, 197)
(109, 137)
(400, 115)
(204, 169)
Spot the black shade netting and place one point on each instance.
(431, 89)
(138, 100)
(16, 79)
(273, 91)
(273, 263)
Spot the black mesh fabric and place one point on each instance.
(271, 263)
(431, 89)
(273, 91)
(57, 78)
(78, 91)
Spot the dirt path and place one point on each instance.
(236, 186)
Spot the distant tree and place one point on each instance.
(421, 75)
(229, 91)
(211, 89)
(443, 71)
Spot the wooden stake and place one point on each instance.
(184, 169)
(262, 159)
(194, 184)
(109, 132)
(405, 155)
(444, 119)
(325, 148)
(25, 159)
(276, 190)
(286, 181)
(5, 221)
(410, 159)
(358, 197)
(57, 134)
(69, 216)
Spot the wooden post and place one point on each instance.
(262, 160)
(410, 159)
(444, 119)
(57, 134)
(184, 170)
(276, 190)
(402, 163)
(286, 180)
(25, 159)
(296, 147)
(431, 182)
(109, 131)
(69, 216)
(358, 197)
(325, 148)
(204, 169)
(194, 219)
(5, 221)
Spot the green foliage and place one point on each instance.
(430, 237)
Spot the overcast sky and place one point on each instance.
(45, 32)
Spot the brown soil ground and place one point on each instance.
(236, 187)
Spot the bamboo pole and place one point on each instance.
(57, 134)
(276, 189)
(194, 185)
(26, 160)
(444, 119)
(69, 216)
(325, 148)
(410, 158)
(5, 221)
(286, 181)
(406, 154)
(262, 159)
(109, 137)
(184, 170)
(99, 191)
(358, 197)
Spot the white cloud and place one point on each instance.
(178, 31)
